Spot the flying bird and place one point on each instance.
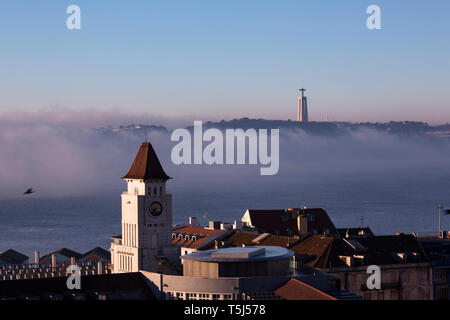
(29, 191)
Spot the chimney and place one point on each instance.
(36, 256)
(53, 260)
(302, 224)
(237, 224)
(214, 225)
(100, 267)
(193, 221)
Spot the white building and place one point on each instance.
(145, 243)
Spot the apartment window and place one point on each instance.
(216, 296)
(380, 295)
(367, 295)
(394, 294)
(227, 297)
(442, 293)
(191, 296)
(441, 274)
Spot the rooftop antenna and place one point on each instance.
(362, 222)
(146, 136)
(439, 207)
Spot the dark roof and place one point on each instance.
(323, 252)
(436, 249)
(64, 252)
(377, 250)
(114, 286)
(280, 220)
(314, 250)
(13, 257)
(239, 238)
(355, 232)
(146, 165)
(99, 252)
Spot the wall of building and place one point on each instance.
(271, 268)
(410, 281)
(223, 288)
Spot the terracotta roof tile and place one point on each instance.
(295, 289)
(199, 231)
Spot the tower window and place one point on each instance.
(154, 191)
(160, 190)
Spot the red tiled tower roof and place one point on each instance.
(146, 165)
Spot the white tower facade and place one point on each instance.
(302, 113)
(146, 216)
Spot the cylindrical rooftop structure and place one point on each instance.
(258, 261)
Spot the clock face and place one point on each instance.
(155, 208)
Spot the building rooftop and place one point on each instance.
(295, 289)
(123, 286)
(98, 253)
(284, 222)
(188, 236)
(239, 238)
(328, 252)
(64, 252)
(146, 165)
(13, 257)
(241, 254)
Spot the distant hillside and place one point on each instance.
(335, 128)
(315, 128)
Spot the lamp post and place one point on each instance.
(439, 214)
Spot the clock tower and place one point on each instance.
(146, 216)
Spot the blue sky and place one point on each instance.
(228, 59)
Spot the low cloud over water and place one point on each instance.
(61, 154)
